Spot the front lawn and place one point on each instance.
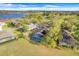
(25, 48)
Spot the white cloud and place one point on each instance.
(42, 8)
(6, 4)
(11, 5)
(22, 7)
(39, 1)
(51, 6)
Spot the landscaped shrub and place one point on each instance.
(10, 24)
(18, 34)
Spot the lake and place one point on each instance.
(8, 16)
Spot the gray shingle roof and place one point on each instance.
(6, 36)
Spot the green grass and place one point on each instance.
(22, 47)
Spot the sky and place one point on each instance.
(40, 6)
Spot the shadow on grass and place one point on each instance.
(34, 42)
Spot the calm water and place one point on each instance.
(7, 16)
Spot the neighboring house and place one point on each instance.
(32, 26)
(2, 23)
(42, 27)
(6, 36)
(39, 27)
(67, 39)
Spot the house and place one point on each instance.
(6, 36)
(40, 31)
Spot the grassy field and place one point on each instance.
(22, 47)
